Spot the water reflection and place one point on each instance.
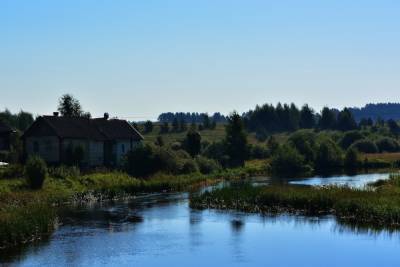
(160, 229)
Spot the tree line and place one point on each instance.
(188, 117)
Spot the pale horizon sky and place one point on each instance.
(136, 59)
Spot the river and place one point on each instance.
(161, 230)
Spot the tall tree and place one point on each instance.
(148, 127)
(307, 117)
(328, 119)
(69, 106)
(175, 125)
(236, 140)
(193, 142)
(346, 121)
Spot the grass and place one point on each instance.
(380, 207)
(27, 215)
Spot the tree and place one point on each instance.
(159, 141)
(182, 125)
(148, 127)
(393, 127)
(307, 117)
(329, 156)
(141, 161)
(193, 143)
(328, 119)
(236, 140)
(164, 128)
(345, 121)
(206, 121)
(352, 159)
(287, 161)
(69, 106)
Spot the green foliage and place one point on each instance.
(64, 172)
(35, 172)
(21, 120)
(328, 119)
(287, 161)
(141, 161)
(217, 151)
(305, 143)
(365, 146)
(12, 171)
(207, 166)
(257, 152)
(329, 156)
(387, 144)
(193, 143)
(349, 138)
(307, 118)
(235, 141)
(148, 127)
(159, 141)
(69, 106)
(74, 155)
(346, 121)
(352, 159)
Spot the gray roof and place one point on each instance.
(97, 129)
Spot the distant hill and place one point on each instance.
(384, 111)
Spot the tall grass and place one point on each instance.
(379, 207)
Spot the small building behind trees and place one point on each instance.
(80, 140)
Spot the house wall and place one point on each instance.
(93, 150)
(4, 141)
(47, 147)
(121, 147)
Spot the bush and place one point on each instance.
(141, 161)
(207, 166)
(189, 166)
(349, 138)
(352, 159)
(387, 144)
(365, 146)
(36, 172)
(257, 152)
(287, 160)
(329, 156)
(304, 142)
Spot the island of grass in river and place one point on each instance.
(378, 205)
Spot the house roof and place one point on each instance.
(4, 128)
(98, 129)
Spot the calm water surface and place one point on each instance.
(161, 230)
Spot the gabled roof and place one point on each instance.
(97, 129)
(116, 129)
(4, 128)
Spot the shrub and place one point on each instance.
(365, 146)
(257, 152)
(329, 156)
(207, 166)
(351, 159)
(141, 161)
(387, 144)
(304, 142)
(189, 166)
(36, 172)
(287, 160)
(349, 138)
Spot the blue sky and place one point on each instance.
(139, 58)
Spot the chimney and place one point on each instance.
(55, 114)
(106, 116)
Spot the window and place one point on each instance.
(36, 147)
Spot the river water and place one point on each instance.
(161, 230)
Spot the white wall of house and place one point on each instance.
(47, 147)
(96, 153)
(121, 147)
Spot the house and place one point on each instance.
(5, 136)
(103, 141)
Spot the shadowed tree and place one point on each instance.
(193, 143)
(345, 121)
(328, 119)
(307, 117)
(69, 106)
(236, 140)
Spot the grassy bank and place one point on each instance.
(27, 215)
(380, 207)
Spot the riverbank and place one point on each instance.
(378, 206)
(27, 215)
